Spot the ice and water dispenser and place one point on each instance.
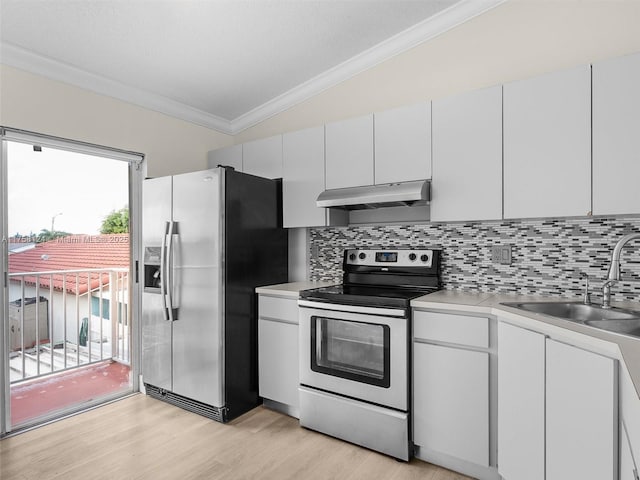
(152, 270)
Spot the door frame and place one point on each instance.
(137, 173)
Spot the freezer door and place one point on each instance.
(156, 331)
(196, 272)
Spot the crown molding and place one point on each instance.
(23, 59)
(403, 41)
(453, 16)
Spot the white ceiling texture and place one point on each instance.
(223, 64)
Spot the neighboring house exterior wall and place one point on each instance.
(74, 314)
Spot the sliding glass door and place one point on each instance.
(69, 299)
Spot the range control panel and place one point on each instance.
(400, 258)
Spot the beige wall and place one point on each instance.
(34, 103)
(516, 40)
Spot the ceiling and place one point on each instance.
(223, 64)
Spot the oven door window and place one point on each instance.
(353, 350)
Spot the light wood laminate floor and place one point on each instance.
(143, 438)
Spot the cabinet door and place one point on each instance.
(547, 145)
(521, 398)
(263, 157)
(630, 422)
(628, 469)
(403, 144)
(349, 160)
(303, 177)
(616, 143)
(278, 361)
(231, 156)
(451, 402)
(582, 415)
(467, 157)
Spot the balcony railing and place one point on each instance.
(64, 319)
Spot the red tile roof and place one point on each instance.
(75, 252)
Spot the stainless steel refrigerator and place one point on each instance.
(209, 239)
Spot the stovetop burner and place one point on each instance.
(382, 278)
(363, 295)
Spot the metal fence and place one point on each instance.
(65, 319)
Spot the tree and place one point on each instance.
(116, 222)
(48, 235)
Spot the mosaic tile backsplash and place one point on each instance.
(549, 257)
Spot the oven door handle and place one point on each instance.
(318, 346)
(386, 312)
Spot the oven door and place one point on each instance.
(361, 354)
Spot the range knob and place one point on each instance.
(362, 256)
(424, 257)
(412, 256)
(352, 256)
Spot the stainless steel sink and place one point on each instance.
(574, 310)
(629, 326)
(612, 319)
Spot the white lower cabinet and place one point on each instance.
(557, 409)
(278, 352)
(452, 392)
(520, 403)
(628, 467)
(582, 414)
(629, 427)
(451, 395)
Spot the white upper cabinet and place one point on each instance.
(467, 156)
(263, 157)
(547, 145)
(349, 153)
(616, 137)
(303, 177)
(231, 156)
(403, 144)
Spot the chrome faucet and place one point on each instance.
(614, 269)
(586, 297)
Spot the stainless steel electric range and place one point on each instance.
(355, 348)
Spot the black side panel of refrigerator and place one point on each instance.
(256, 255)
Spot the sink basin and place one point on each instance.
(627, 327)
(575, 311)
(618, 320)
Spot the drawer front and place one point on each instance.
(451, 328)
(278, 308)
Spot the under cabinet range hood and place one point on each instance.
(376, 196)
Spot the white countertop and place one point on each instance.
(290, 289)
(626, 349)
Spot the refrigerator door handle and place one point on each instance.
(171, 311)
(163, 272)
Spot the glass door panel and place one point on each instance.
(67, 306)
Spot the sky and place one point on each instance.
(78, 190)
